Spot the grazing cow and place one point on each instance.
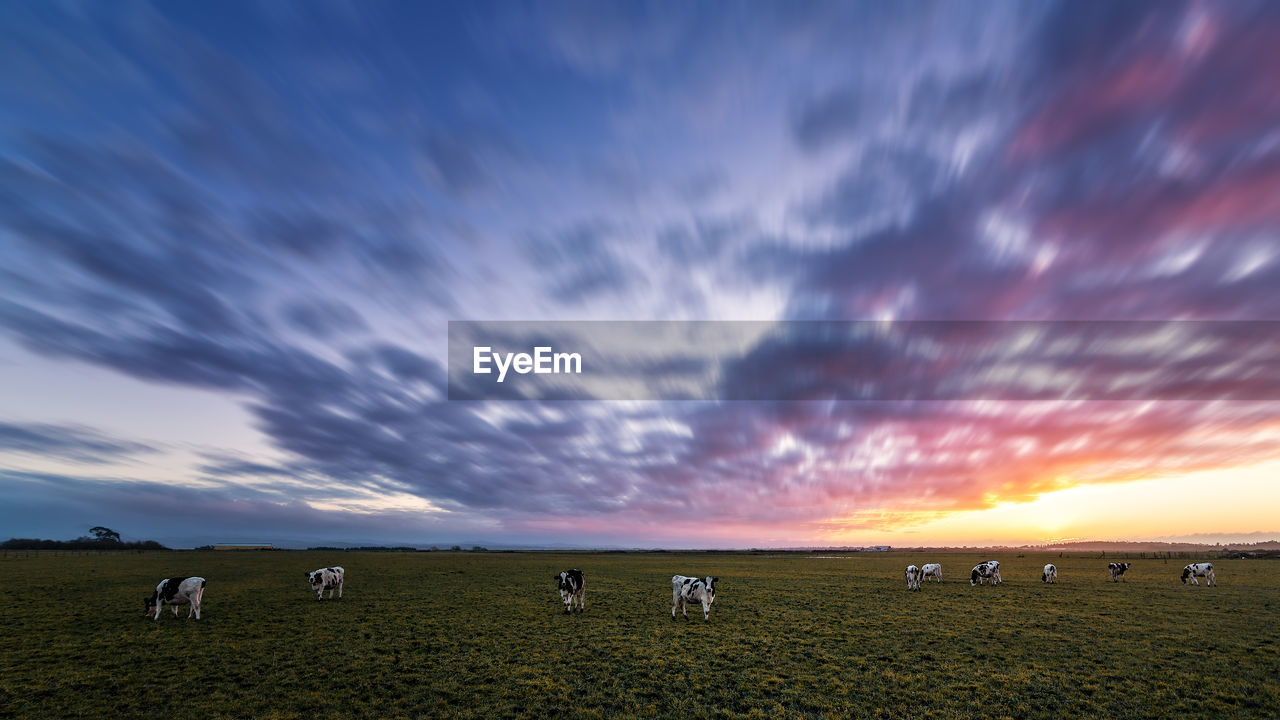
(931, 570)
(913, 577)
(989, 570)
(1050, 574)
(1117, 571)
(329, 578)
(573, 587)
(1194, 570)
(685, 590)
(174, 592)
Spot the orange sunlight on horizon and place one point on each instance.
(1229, 501)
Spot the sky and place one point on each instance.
(232, 236)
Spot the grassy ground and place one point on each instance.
(481, 635)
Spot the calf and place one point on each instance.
(174, 592)
(573, 588)
(685, 590)
(989, 570)
(913, 577)
(1050, 574)
(329, 578)
(931, 570)
(1117, 571)
(1194, 570)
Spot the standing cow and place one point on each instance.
(982, 572)
(1194, 570)
(1117, 571)
(329, 578)
(573, 588)
(686, 590)
(931, 570)
(174, 592)
(1050, 574)
(913, 577)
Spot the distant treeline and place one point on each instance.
(83, 543)
(365, 548)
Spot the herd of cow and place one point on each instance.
(684, 590)
(990, 570)
(189, 591)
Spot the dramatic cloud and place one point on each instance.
(282, 208)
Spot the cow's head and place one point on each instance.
(150, 603)
(711, 588)
(564, 582)
(1186, 573)
(315, 578)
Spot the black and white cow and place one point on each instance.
(982, 572)
(174, 592)
(329, 578)
(931, 570)
(1050, 574)
(573, 588)
(686, 590)
(913, 577)
(1117, 571)
(1194, 570)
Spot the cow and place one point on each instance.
(1050, 574)
(1117, 571)
(685, 590)
(329, 578)
(913, 577)
(573, 588)
(989, 570)
(931, 570)
(174, 592)
(1194, 570)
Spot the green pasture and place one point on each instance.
(482, 635)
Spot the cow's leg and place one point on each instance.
(706, 612)
(158, 606)
(684, 608)
(339, 589)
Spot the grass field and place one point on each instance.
(482, 635)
